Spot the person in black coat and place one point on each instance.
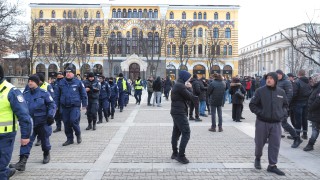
(313, 110)
(237, 93)
(167, 87)
(179, 112)
(194, 105)
(216, 91)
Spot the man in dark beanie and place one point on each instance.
(271, 106)
(12, 105)
(179, 112)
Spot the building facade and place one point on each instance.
(138, 40)
(276, 52)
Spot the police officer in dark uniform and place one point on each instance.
(123, 89)
(114, 95)
(70, 95)
(104, 99)
(93, 90)
(58, 116)
(42, 109)
(138, 90)
(13, 108)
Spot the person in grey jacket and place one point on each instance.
(216, 92)
(271, 107)
(150, 89)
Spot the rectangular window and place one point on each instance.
(55, 48)
(88, 49)
(43, 49)
(100, 49)
(50, 48)
(95, 49)
(38, 49)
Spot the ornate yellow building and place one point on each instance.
(138, 40)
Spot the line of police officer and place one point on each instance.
(41, 104)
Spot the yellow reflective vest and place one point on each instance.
(138, 85)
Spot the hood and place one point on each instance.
(184, 75)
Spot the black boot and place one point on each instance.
(309, 146)
(99, 122)
(12, 171)
(174, 155)
(257, 163)
(107, 119)
(67, 143)
(112, 116)
(89, 126)
(46, 157)
(182, 159)
(38, 143)
(79, 139)
(57, 130)
(297, 141)
(274, 169)
(94, 126)
(21, 165)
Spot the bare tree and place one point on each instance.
(185, 45)
(214, 42)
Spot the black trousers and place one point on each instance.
(236, 111)
(92, 112)
(194, 107)
(149, 97)
(180, 127)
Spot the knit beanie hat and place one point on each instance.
(184, 75)
(35, 79)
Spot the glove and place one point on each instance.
(50, 121)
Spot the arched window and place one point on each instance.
(150, 13)
(145, 13)
(135, 40)
(200, 32)
(41, 14)
(135, 13)
(204, 15)
(69, 14)
(124, 13)
(119, 13)
(114, 13)
(128, 43)
(213, 50)
(185, 50)
(168, 49)
(119, 43)
(98, 31)
(155, 14)
(194, 15)
(140, 13)
(85, 31)
(74, 14)
(41, 31)
(68, 31)
(53, 14)
(171, 15)
(184, 32)
(150, 37)
(129, 13)
(141, 42)
(98, 15)
(216, 16)
(225, 50)
(200, 49)
(215, 33)
(228, 33)
(86, 14)
(156, 43)
(218, 50)
(194, 33)
(171, 32)
(53, 31)
(230, 50)
(64, 14)
(199, 15)
(174, 49)
(228, 16)
(184, 15)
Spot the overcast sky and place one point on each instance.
(257, 18)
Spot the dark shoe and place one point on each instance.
(191, 118)
(12, 171)
(121, 110)
(149, 104)
(174, 155)
(212, 129)
(79, 139)
(290, 137)
(94, 127)
(46, 157)
(21, 165)
(257, 163)
(57, 130)
(305, 136)
(238, 121)
(38, 143)
(220, 129)
(282, 136)
(182, 160)
(112, 117)
(67, 143)
(309, 147)
(204, 115)
(99, 122)
(198, 120)
(233, 119)
(275, 170)
(89, 127)
(296, 143)
(107, 119)
(242, 118)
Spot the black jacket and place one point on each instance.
(314, 104)
(269, 104)
(301, 90)
(180, 97)
(203, 89)
(195, 86)
(233, 89)
(286, 85)
(94, 93)
(216, 92)
(157, 85)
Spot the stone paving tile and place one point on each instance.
(230, 146)
(204, 174)
(39, 174)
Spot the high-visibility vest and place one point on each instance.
(44, 86)
(138, 85)
(8, 121)
(124, 84)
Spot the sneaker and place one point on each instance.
(182, 160)
(191, 118)
(67, 143)
(305, 136)
(296, 142)
(212, 129)
(174, 155)
(275, 170)
(309, 147)
(257, 163)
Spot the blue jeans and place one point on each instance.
(213, 116)
(315, 132)
(227, 96)
(300, 115)
(6, 149)
(202, 107)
